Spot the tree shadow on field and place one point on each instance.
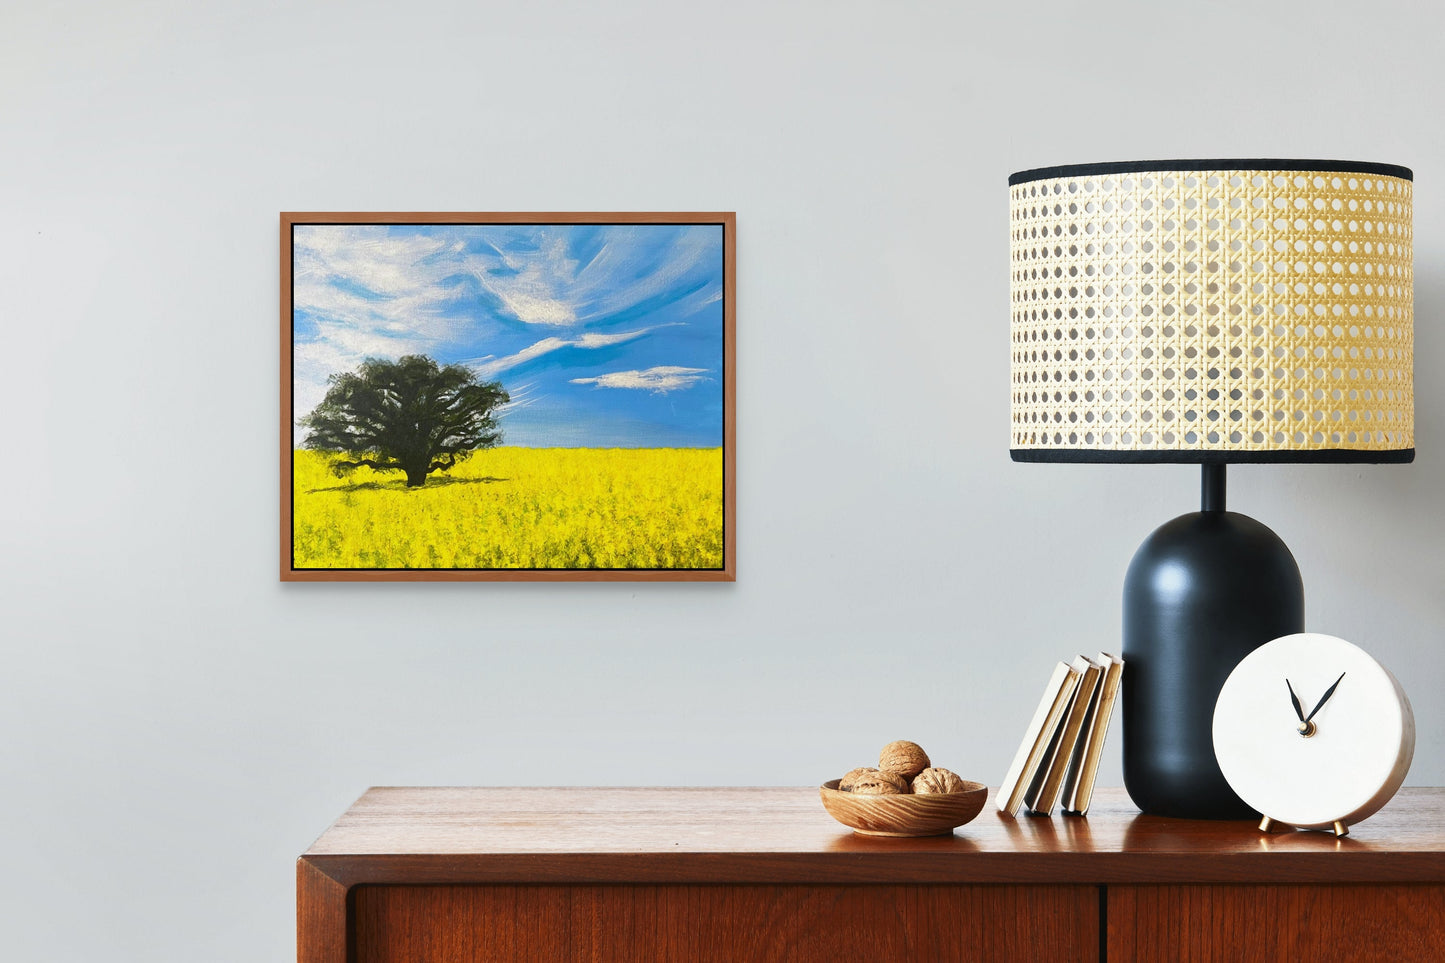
(400, 486)
(444, 481)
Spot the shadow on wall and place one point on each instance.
(1406, 498)
(1417, 487)
(1430, 389)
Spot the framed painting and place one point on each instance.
(508, 397)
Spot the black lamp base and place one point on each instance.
(1202, 592)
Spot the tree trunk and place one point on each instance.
(416, 477)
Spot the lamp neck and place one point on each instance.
(1211, 487)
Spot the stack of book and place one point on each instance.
(1059, 759)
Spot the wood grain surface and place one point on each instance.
(782, 835)
(322, 931)
(1265, 924)
(469, 924)
(449, 875)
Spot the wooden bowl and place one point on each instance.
(927, 814)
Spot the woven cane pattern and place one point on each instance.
(1213, 311)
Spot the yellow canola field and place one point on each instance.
(517, 508)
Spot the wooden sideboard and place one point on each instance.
(453, 875)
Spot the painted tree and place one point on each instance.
(408, 415)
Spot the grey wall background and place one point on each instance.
(176, 726)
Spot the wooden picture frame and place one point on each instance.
(375, 286)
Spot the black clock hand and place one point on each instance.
(1295, 699)
(1324, 698)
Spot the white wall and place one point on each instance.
(176, 726)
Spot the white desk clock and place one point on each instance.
(1313, 733)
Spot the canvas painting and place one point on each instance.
(507, 396)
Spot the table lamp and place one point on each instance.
(1211, 312)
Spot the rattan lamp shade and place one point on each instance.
(1212, 311)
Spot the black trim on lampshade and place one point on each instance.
(1212, 164)
(1174, 456)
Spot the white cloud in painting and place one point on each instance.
(369, 255)
(488, 368)
(363, 276)
(372, 294)
(659, 380)
(371, 279)
(550, 287)
(537, 292)
(521, 396)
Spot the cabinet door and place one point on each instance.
(937, 923)
(1270, 923)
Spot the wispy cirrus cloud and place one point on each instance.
(368, 277)
(487, 368)
(534, 289)
(364, 277)
(520, 396)
(367, 294)
(553, 285)
(659, 380)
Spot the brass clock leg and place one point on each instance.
(1341, 829)
(1267, 825)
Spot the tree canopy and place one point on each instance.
(408, 415)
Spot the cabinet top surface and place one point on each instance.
(782, 834)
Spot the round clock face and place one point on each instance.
(1309, 729)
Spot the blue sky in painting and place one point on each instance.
(604, 335)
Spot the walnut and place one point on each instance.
(877, 783)
(934, 780)
(853, 775)
(906, 759)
